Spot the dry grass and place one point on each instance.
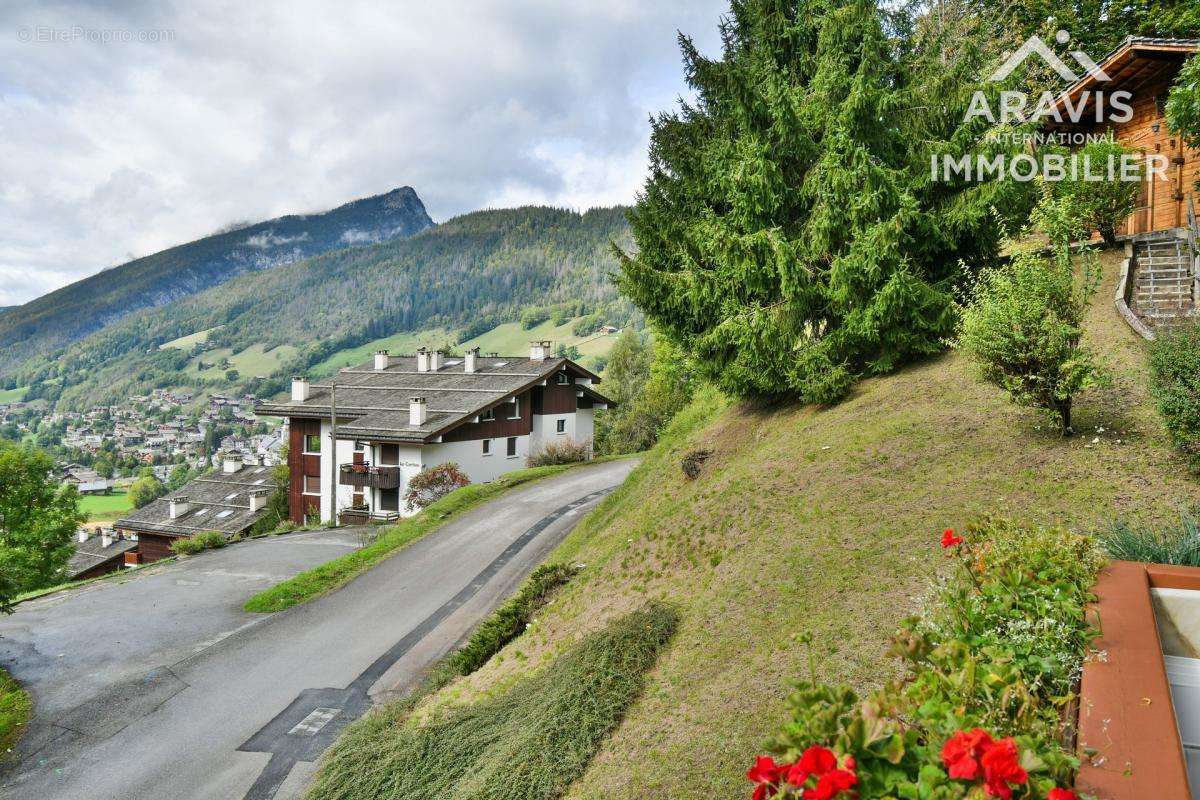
(823, 521)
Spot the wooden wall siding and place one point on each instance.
(500, 427)
(557, 399)
(300, 465)
(104, 568)
(153, 546)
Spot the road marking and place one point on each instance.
(312, 724)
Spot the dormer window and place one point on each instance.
(488, 416)
(516, 409)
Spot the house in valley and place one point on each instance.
(229, 500)
(357, 439)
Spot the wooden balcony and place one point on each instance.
(365, 476)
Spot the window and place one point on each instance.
(312, 443)
(312, 484)
(487, 447)
(488, 415)
(389, 499)
(516, 409)
(563, 380)
(512, 447)
(389, 454)
(231, 495)
(224, 514)
(560, 426)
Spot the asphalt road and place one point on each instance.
(161, 687)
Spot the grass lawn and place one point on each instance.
(397, 344)
(189, 341)
(822, 521)
(15, 707)
(510, 339)
(13, 395)
(106, 507)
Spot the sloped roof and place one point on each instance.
(377, 401)
(91, 554)
(217, 501)
(1133, 64)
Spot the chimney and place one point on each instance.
(250, 460)
(539, 351)
(381, 360)
(179, 506)
(81, 534)
(469, 359)
(422, 360)
(299, 389)
(106, 539)
(416, 412)
(258, 500)
(435, 360)
(231, 464)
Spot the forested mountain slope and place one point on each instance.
(472, 272)
(70, 313)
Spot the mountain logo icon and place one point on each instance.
(1035, 44)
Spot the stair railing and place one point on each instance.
(1193, 232)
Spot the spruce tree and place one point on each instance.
(791, 236)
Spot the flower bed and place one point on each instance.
(986, 709)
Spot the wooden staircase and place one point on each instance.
(1163, 280)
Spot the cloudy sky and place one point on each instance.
(127, 127)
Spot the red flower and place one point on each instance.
(795, 774)
(831, 784)
(1062, 794)
(962, 751)
(764, 773)
(817, 760)
(949, 539)
(1001, 766)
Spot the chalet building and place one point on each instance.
(98, 553)
(229, 500)
(357, 440)
(1147, 69)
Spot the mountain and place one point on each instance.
(72, 312)
(468, 274)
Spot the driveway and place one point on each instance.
(162, 686)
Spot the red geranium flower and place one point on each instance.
(962, 751)
(817, 760)
(949, 539)
(1062, 794)
(1001, 767)
(765, 773)
(831, 784)
(795, 774)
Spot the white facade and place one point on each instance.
(479, 466)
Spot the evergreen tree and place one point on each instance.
(791, 236)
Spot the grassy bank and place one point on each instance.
(820, 521)
(333, 574)
(15, 708)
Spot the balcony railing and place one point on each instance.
(367, 477)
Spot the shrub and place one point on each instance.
(532, 317)
(1099, 205)
(1183, 104)
(1175, 386)
(1024, 327)
(507, 622)
(529, 741)
(432, 484)
(992, 667)
(145, 491)
(1179, 545)
(567, 451)
(205, 540)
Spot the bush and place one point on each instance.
(432, 484)
(205, 540)
(1183, 104)
(587, 325)
(1179, 545)
(145, 491)
(507, 622)
(1024, 327)
(1100, 206)
(564, 452)
(1175, 386)
(527, 742)
(992, 669)
(532, 317)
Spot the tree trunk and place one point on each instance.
(1063, 407)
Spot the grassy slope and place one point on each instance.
(824, 521)
(189, 341)
(105, 507)
(15, 707)
(13, 395)
(397, 344)
(511, 339)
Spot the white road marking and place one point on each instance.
(312, 724)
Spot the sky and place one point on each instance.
(128, 127)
